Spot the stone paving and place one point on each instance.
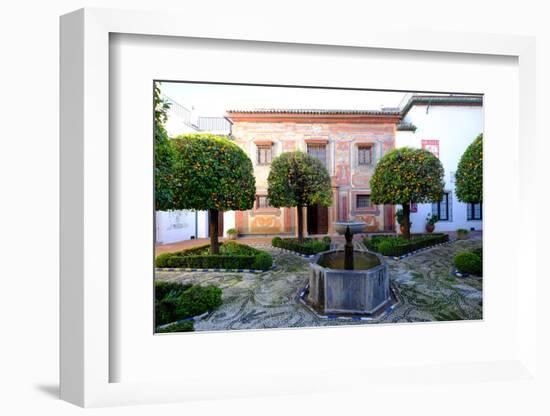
(425, 285)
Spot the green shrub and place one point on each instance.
(326, 239)
(478, 252)
(169, 289)
(262, 261)
(175, 301)
(232, 256)
(397, 246)
(462, 231)
(467, 262)
(183, 326)
(309, 246)
(197, 300)
(232, 231)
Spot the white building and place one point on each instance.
(446, 126)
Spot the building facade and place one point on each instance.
(349, 143)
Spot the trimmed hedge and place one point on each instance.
(232, 256)
(397, 246)
(469, 262)
(309, 246)
(175, 301)
(184, 326)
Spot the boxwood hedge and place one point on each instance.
(397, 246)
(232, 256)
(309, 246)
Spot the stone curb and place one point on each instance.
(187, 269)
(418, 251)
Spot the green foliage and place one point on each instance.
(469, 175)
(462, 231)
(309, 246)
(431, 219)
(175, 301)
(169, 289)
(397, 246)
(164, 154)
(399, 216)
(183, 326)
(326, 239)
(468, 262)
(232, 256)
(232, 231)
(407, 175)
(298, 179)
(478, 252)
(198, 299)
(262, 261)
(212, 173)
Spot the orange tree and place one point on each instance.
(469, 175)
(297, 179)
(404, 176)
(211, 174)
(164, 154)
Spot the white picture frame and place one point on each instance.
(86, 355)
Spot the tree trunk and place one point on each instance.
(213, 230)
(300, 223)
(407, 221)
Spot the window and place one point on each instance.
(442, 209)
(319, 151)
(262, 201)
(364, 155)
(363, 201)
(264, 154)
(474, 211)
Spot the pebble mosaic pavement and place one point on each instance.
(427, 289)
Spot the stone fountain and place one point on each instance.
(348, 281)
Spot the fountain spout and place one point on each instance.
(348, 250)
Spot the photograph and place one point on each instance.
(298, 207)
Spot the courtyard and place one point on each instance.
(424, 285)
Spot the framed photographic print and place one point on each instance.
(282, 213)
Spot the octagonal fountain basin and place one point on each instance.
(355, 227)
(333, 290)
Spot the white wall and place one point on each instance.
(455, 127)
(174, 226)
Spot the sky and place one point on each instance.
(215, 99)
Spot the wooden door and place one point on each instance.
(317, 219)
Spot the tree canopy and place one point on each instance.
(404, 176)
(297, 179)
(407, 175)
(212, 172)
(164, 154)
(469, 175)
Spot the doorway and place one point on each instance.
(317, 219)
